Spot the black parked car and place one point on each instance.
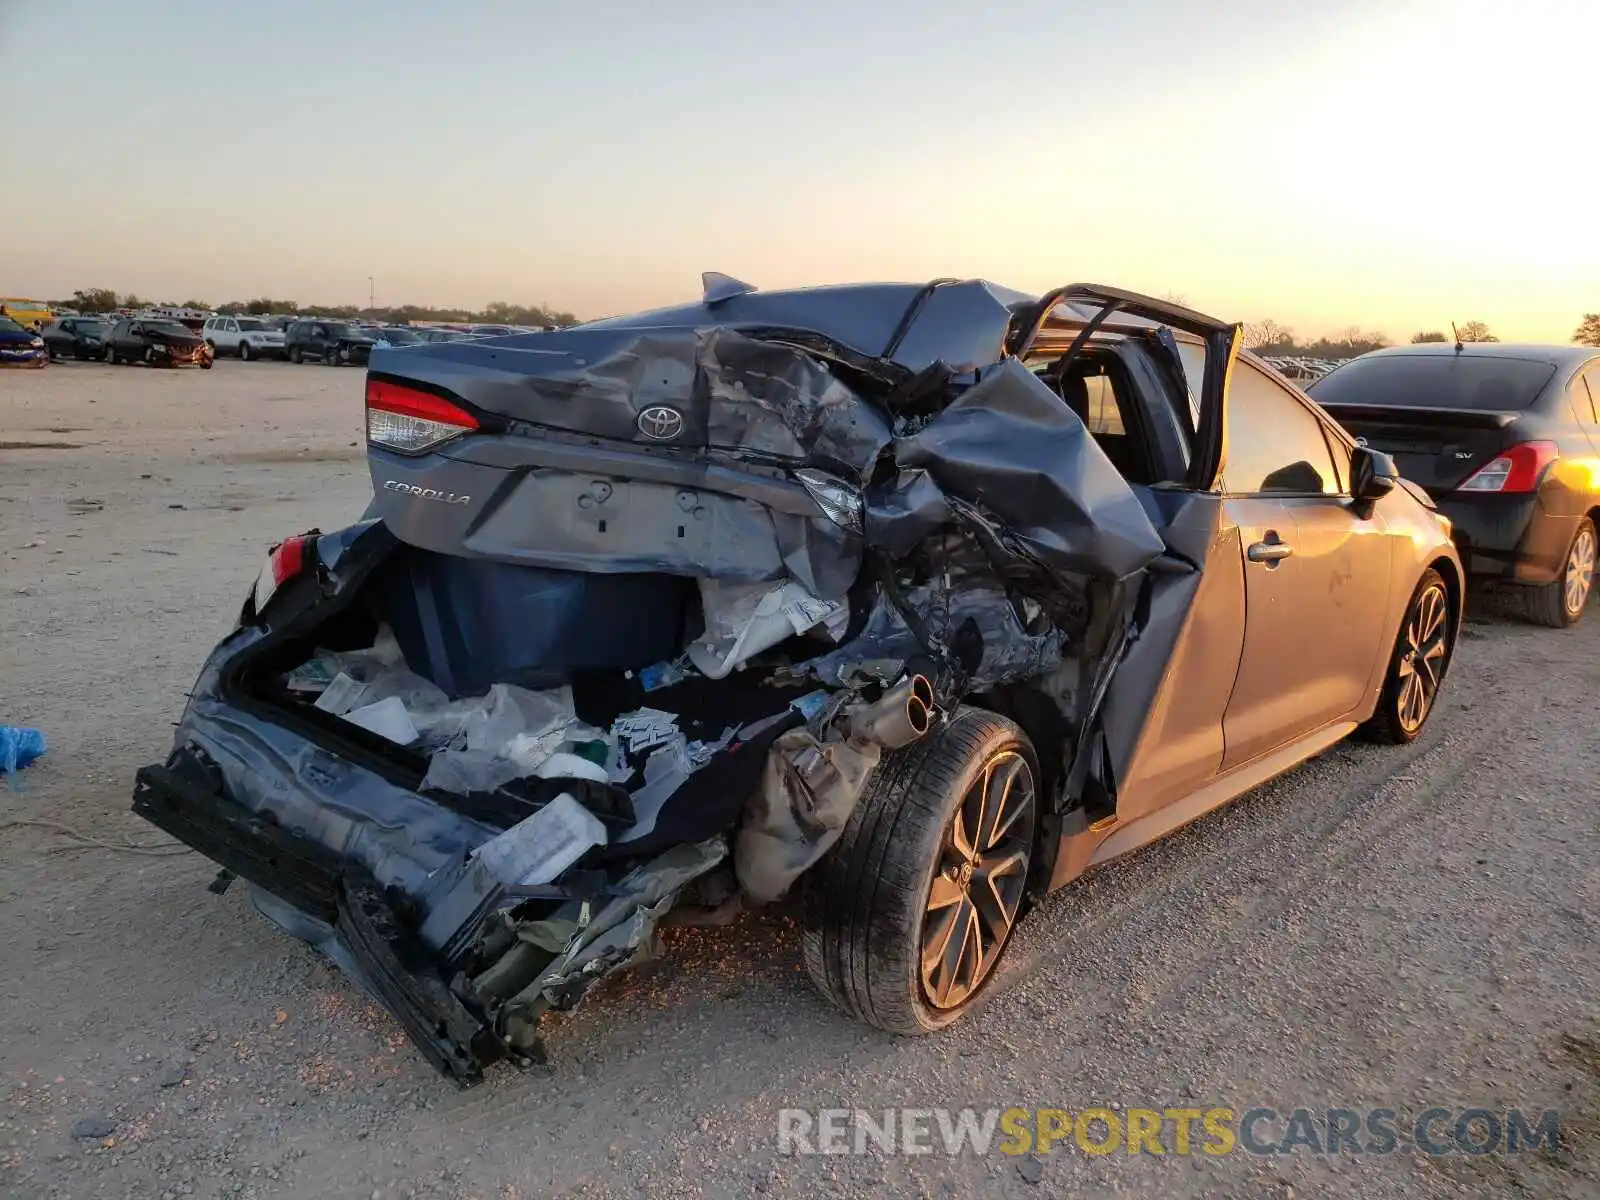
(76, 337)
(156, 342)
(332, 342)
(1506, 439)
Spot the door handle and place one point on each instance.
(1270, 552)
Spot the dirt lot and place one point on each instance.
(1381, 928)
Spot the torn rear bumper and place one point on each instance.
(391, 961)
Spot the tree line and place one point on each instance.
(104, 300)
(1268, 337)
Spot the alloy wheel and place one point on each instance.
(1580, 570)
(1422, 656)
(978, 883)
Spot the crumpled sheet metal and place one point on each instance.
(904, 511)
(1011, 445)
(765, 398)
(735, 392)
(605, 938)
(808, 791)
(403, 839)
(570, 521)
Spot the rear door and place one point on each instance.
(1316, 573)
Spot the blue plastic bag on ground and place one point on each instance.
(18, 748)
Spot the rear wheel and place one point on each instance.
(295, 355)
(1561, 603)
(907, 916)
(331, 356)
(1417, 666)
(111, 356)
(149, 357)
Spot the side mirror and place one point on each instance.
(1372, 474)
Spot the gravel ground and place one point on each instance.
(1381, 928)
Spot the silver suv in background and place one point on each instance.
(248, 337)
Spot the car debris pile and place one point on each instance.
(663, 693)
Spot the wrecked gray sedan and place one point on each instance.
(915, 600)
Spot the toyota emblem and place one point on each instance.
(660, 423)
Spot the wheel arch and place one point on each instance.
(1455, 588)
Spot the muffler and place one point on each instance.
(897, 718)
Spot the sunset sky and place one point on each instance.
(1392, 164)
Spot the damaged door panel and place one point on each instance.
(915, 599)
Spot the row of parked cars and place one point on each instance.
(169, 341)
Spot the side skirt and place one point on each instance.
(1084, 845)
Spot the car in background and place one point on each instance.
(492, 330)
(248, 337)
(396, 335)
(20, 346)
(1506, 440)
(156, 342)
(32, 315)
(335, 343)
(440, 335)
(76, 337)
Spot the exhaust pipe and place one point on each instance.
(899, 717)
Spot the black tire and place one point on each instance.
(866, 905)
(1396, 721)
(330, 356)
(1560, 604)
(295, 356)
(111, 356)
(244, 351)
(149, 357)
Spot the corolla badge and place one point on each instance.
(422, 493)
(660, 423)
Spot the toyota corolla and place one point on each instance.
(912, 600)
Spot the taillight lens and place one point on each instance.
(284, 561)
(839, 501)
(412, 421)
(1516, 470)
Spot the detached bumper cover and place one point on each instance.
(387, 958)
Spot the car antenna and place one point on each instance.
(1455, 333)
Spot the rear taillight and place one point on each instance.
(284, 561)
(1518, 469)
(412, 421)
